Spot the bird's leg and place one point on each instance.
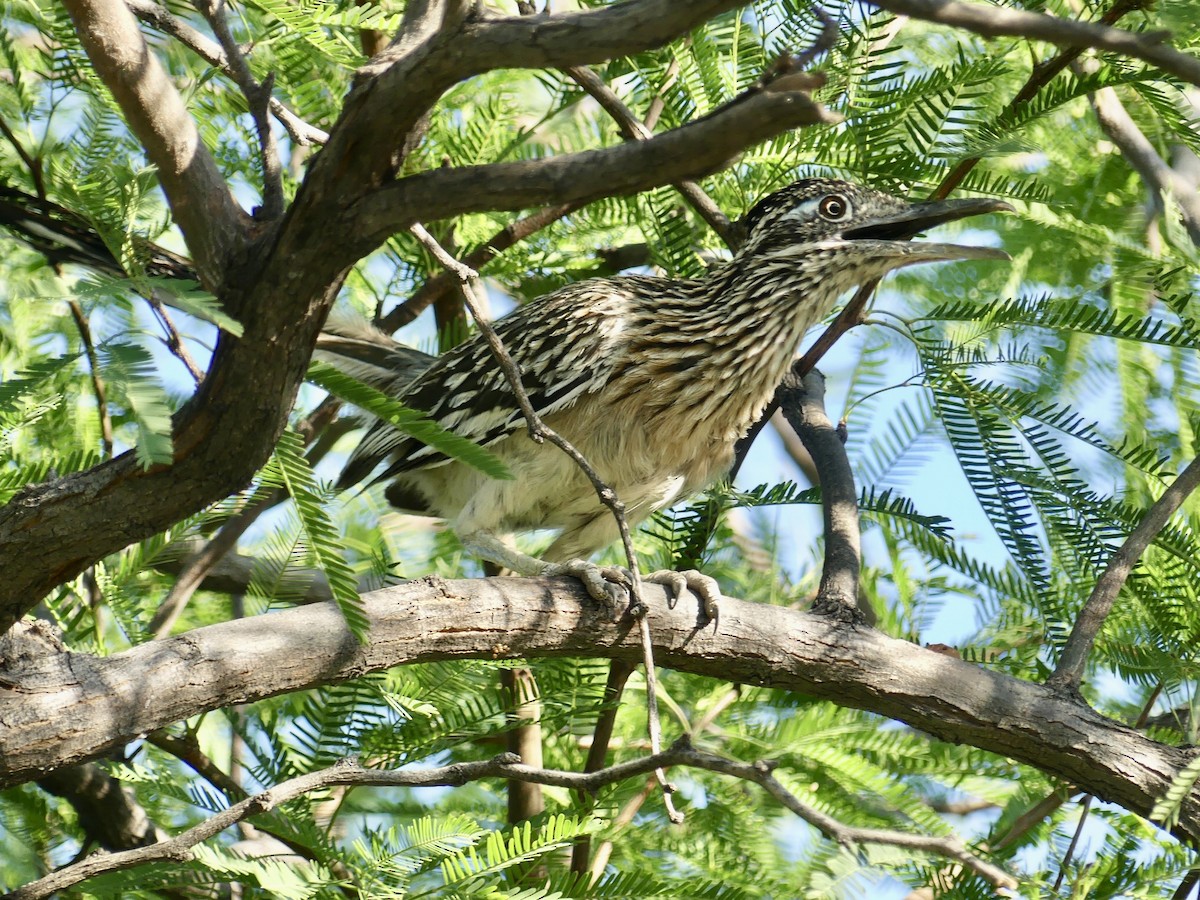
(607, 585)
(703, 586)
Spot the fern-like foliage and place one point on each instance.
(1008, 426)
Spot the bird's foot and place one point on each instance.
(697, 582)
(607, 585)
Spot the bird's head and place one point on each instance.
(858, 227)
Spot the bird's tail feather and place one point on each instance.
(357, 348)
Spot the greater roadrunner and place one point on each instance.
(652, 379)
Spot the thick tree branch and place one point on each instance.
(693, 150)
(108, 811)
(212, 223)
(109, 701)
(999, 21)
(574, 38)
(282, 290)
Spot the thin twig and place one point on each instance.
(31, 163)
(98, 388)
(187, 750)
(622, 819)
(506, 766)
(174, 340)
(1084, 808)
(627, 813)
(538, 432)
(658, 102)
(1073, 659)
(438, 286)
(159, 17)
(258, 99)
(653, 724)
(1043, 73)
(825, 41)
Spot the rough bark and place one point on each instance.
(63, 708)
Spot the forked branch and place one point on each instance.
(507, 766)
(201, 202)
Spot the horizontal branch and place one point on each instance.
(508, 766)
(999, 21)
(692, 150)
(61, 709)
(571, 38)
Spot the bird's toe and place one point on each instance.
(703, 586)
(607, 585)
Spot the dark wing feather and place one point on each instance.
(566, 345)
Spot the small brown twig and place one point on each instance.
(1084, 807)
(258, 99)
(438, 286)
(539, 432)
(635, 130)
(1071, 662)
(186, 749)
(506, 765)
(173, 340)
(160, 17)
(98, 388)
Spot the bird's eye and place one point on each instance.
(834, 207)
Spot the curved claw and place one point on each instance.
(607, 585)
(697, 582)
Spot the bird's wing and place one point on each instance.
(565, 343)
(360, 350)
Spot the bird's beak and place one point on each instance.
(906, 224)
